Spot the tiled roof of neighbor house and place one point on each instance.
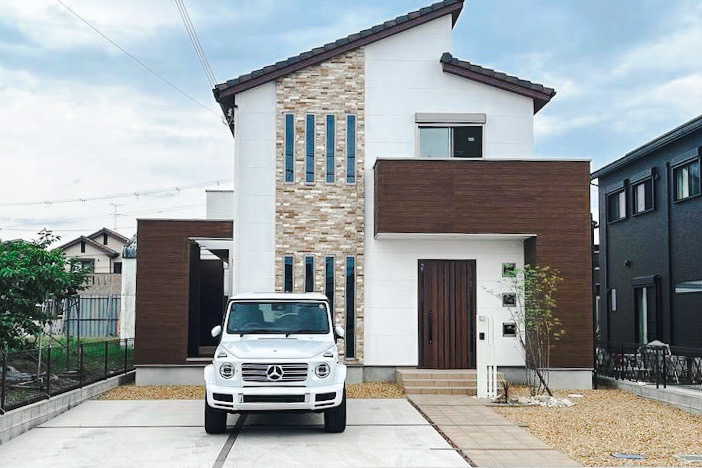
(109, 232)
(401, 23)
(108, 251)
(540, 93)
(665, 139)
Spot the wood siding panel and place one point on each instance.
(161, 329)
(550, 199)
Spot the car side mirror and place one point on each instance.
(339, 331)
(216, 331)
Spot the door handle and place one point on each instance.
(431, 327)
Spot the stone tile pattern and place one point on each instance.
(322, 219)
(485, 437)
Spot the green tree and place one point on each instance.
(535, 289)
(30, 275)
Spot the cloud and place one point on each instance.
(109, 139)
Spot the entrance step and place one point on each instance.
(438, 381)
(207, 351)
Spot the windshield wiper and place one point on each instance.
(300, 332)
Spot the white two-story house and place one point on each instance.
(401, 182)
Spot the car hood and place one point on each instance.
(275, 348)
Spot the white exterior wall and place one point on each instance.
(404, 76)
(254, 190)
(127, 312)
(219, 204)
(103, 263)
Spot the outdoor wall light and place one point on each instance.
(627, 263)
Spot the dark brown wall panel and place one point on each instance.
(161, 331)
(550, 199)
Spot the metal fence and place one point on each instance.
(33, 375)
(85, 316)
(657, 363)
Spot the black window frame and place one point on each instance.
(678, 166)
(117, 266)
(288, 263)
(289, 149)
(351, 148)
(310, 148)
(616, 192)
(633, 196)
(309, 273)
(330, 145)
(350, 308)
(330, 281)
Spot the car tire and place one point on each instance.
(335, 418)
(215, 420)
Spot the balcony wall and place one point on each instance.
(546, 199)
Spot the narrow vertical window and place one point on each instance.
(331, 142)
(351, 149)
(350, 339)
(288, 273)
(329, 282)
(309, 274)
(309, 152)
(289, 148)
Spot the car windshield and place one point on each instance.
(278, 317)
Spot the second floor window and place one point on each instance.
(289, 148)
(687, 180)
(642, 196)
(351, 149)
(616, 206)
(464, 141)
(331, 142)
(309, 151)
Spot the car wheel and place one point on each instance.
(335, 418)
(215, 420)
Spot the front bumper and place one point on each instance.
(274, 398)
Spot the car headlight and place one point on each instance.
(226, 370)
(322, 370)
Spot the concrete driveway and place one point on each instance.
(169, 433)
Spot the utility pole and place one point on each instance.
(114, 212)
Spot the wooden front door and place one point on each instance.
(447, 314)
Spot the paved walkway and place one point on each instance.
(485, 437)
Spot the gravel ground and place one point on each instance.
(197, 392)
(609, 421)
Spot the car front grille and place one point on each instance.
(274, 373)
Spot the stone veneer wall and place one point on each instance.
(322, 219)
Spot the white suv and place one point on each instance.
(277, 352)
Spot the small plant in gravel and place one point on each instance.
(534, 289)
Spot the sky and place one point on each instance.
(79, 119)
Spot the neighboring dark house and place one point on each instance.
(650, 241)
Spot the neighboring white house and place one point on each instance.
(99, 252)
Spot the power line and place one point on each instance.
(113, 196)
(154, 72)
(195, 40)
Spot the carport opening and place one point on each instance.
(209, 291)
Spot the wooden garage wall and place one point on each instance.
(161, 331)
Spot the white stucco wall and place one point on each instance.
(103, 263)
(404, 76)
(219, 204)
(254, 190)
(127, 312)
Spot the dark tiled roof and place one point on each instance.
(540, 93)
(663, 140)
(108, 251)
(109, 232)
(332, 49)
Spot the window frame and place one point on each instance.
(314, 148)
(450, 125)
(332, 300)
(292, 273)
(621, 188)
(117, 266)
(355, 149)
(327, 156)
(679, 165)
(285, 149)
(633, 196)
(350, 341)
(314, 274)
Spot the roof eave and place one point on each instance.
(540, 98)
(224, 92)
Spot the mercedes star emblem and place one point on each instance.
(274, 372)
